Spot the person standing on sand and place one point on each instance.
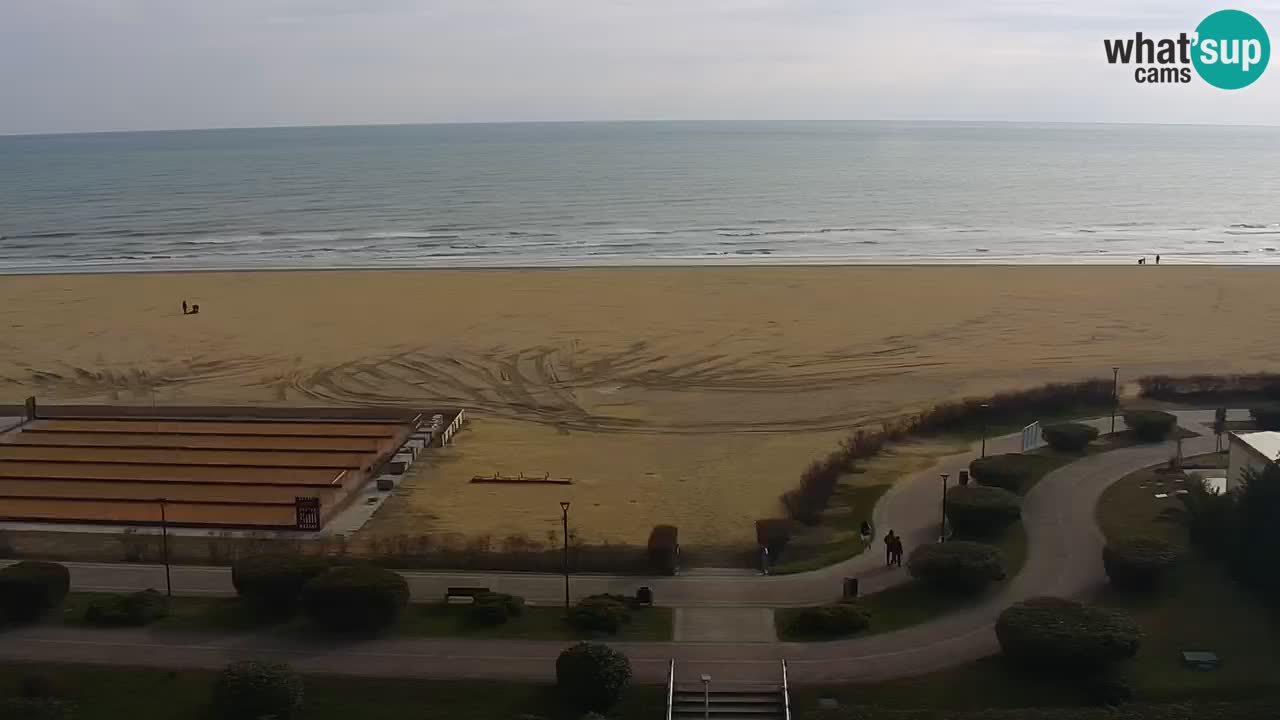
(184, 307)
(889, 543)
(1157, 259)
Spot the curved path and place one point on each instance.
(1063, 558)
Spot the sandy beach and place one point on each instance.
(684, 396)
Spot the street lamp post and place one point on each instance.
(1115, 396)
(706, 697)
(564, 510)
(985, 407)
(164, 544)
(942, 534)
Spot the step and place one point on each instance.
(731, 698)
(699, 715)
(718, 709)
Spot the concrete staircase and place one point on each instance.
(728, 702)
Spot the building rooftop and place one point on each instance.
(1267, 443)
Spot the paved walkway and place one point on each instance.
(1064, 559)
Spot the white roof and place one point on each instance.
(1267, 443)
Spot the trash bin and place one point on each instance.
(644, 596)
(850, 588)
(964, 477)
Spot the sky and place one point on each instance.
(89, 65)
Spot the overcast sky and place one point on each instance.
(76, 65)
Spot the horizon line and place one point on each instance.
(222, 128)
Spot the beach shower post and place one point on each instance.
(564, 510)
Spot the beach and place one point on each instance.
(688, 396)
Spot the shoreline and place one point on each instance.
(1054, 264)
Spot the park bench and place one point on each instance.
(460, 593)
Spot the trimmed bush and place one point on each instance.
(957, 566)
(1235, 710)
(1266, 418)
(1069, 437)
(30, 588)
(1138, 563)
(774, 534)
(495, 608)
(1150, 425)
(129, 610)
(977, 511)
(272, 584)
(829, 621)
(600, 613)
(1061, 634)
(591, 676)
(42, 708)
(1007, 472)
(356, 597)
(249, 690)
(40, 685)
(664, 547)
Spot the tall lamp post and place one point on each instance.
(985, 407)
(1115, 396)
(564, 511)
(942, 534)
(706, 696)
(164, 540)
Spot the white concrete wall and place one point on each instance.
(1241, 457)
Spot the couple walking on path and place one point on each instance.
(892, 550)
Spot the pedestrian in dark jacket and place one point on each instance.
(889, 544)
(897, 551)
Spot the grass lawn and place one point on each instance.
(1206, 461)
(839, 537)
(228, 615)
(1201, 609)
(119, 693)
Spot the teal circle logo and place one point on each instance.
(1231, 49)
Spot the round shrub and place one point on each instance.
(356, 597)
(495, 608)
(1009, 472)
(1150, 425)
(272, 584)
(599, 613)
(591, 676)
(1069, 437)
(1062, 634)
(1266, 418)
(40, 685)
(30, 588)
(131, 610)
(957, 566)
(249, 690)
(1138, 563)
(829, 620)
(977, 511)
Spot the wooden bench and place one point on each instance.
(464, 593)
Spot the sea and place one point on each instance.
(644, 193)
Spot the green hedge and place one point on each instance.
(1008, 472)
(356, 597)
(272, 584)
(957, 566)
(129, 610)
(249, 690)
(31, 588)
(591, 676)
(829, 621)
(977, 511)
(1069, 437)
(1138, 563)
(1150, 425)
(600, 613)
(1266, 418)
(36, 708)
(1063, 634)
(1245, 710)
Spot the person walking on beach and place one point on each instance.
(184, 307)
(897, 551)
(890, 541)
(1157, 259)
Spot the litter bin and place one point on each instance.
(850, 588)
(644, 596)
(964, 477)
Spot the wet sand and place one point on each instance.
(685, 396)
